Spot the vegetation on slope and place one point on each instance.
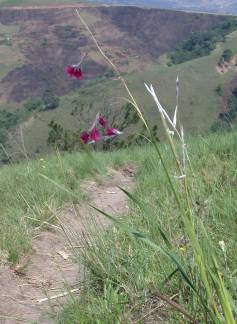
(126, 276)
(87, 98)
(104, 93)
(202, 43)
(27, 201)
(198, 112)
(122, 283)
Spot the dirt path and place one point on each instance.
(50, 270)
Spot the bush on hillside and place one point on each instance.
(202, 43)
(3, 136)
(50, 101)
(34, 104)
(224, 123)
(47, 102)
(219, 90)
(7, 119)
(63, 140)
(227, 55)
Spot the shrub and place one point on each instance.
(219, 90)
(227, 55)
(34, 104)
(3, 136)
(50, 101)
(62, 139)
(7, 119)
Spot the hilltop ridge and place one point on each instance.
(210, 6)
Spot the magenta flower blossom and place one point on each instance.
(112, 132)
(102, 121)
(95, 135)
(85, 137)
(74, 71)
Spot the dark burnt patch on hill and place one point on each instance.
(158, 31)
(51, 39)
(48, 44)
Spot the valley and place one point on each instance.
(42, 42)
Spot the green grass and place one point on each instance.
(27, 200)
(124, 272)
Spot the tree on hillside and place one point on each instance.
(50, 101)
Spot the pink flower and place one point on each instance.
(95, 135)
(85, 137)
(112, 132)
(74, 71)
(102, 121)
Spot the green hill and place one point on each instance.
(36, 45)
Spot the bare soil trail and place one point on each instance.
(49, 271)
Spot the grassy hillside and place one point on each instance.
(32, 38)
(27, 200)
(199, 102)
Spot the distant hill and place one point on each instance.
(42, 42)
(212, 6)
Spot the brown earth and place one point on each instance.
(35, 288)
(228, 66)
(52, 38)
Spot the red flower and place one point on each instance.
(85, 137)
(112, 132)
(102, 121)
(95, 135)
(74, 71)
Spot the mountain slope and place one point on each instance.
(36, 45)
(51, 39)
(200, 104)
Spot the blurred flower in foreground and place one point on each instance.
(95, 135)
(102, 121)
(112, 132)
(85, 137)
(74, 71)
